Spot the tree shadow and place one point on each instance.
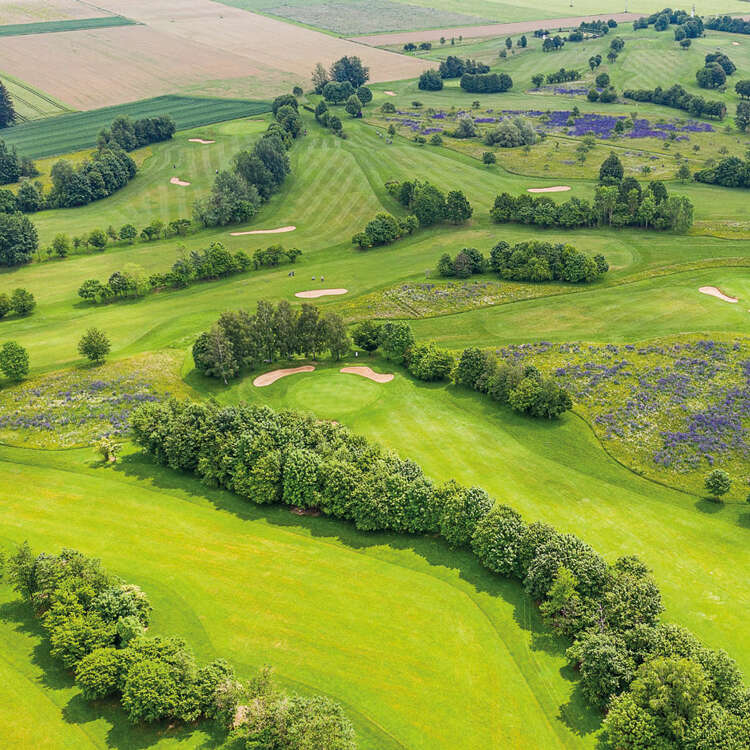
(744, 520)
(708, 505)
(445, 564)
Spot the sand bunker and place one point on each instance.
(271, 377)
(390, 93)
(556, 189)
(200, 140)
(367, 372)
(314, 293)
(716, 292)
(280, 230)
(178, 181)
(736, 44)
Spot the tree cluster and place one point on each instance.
(328, 119)
(467, 262)
(598, 28)
(553, 44)
(430, 80)
(730, 24)
(384, 229)
(240, 339)
(96, 624)
(429, 204)
(7, 108)
(677, 98)
(13, 167)
(511, 133)
(486, 83)
(729, 172)
(237, 194)
(413, 47)
(349, 69)
(130, 134)
(20, 301)
(563, 76)
(455, 67)
(691, 27)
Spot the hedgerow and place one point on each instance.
(97, 627)
(625, 655)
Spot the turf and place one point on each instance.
(78, 130)
(73, 24)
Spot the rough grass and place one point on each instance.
(52, 27)
(78, 130)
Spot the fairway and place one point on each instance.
(578, 355)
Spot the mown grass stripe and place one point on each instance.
(73, 24)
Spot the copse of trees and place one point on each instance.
(486, 83)
(729, 172)
(728, 23)
(130, 134)
(511, 133)
(430, 80)
(385, 229)
(20, 301)
(563, 76)
(18, 239)
(610, 612)
(429, 204)
(553, 44)
(347, 69)
(677, 98)
(13, 167)
(455, 67)
(241, 340)
(97, 629)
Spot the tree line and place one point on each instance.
(728, 23)
(241, 340)
(677, 98)
(688, 26)
(215, 262)
(97, 624)
(486, 83)
(527, 261)
(130, 134)
(658, 684)
(729, 172)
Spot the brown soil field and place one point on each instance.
(89, 69)
(35, 11)
(491, 29)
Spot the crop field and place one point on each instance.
(78, 130)
(38, 11)
(52, 27)
(423, 647)
(29, 103)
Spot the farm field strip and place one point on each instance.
(53, 27)
(30, 103)
(37, 11)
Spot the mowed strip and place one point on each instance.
(73, 24)
(32, 11)
(261, 40)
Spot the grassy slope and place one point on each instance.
(263, 586)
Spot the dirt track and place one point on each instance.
(492, 29)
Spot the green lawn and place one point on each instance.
(73, 24)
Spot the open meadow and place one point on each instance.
(417, 639)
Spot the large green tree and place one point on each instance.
(7, 110)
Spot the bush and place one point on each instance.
(99, 673)
(94, 345)
(428, 362)
(22, 302)
(14, 361)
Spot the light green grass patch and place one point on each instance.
(30, 103)
(73, 24)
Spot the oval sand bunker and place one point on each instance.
(315, 293)
(280, 230)
(555, 189)
(369, 373)
(200, 140)
(178, 181)
(271, 377)
(716, 292)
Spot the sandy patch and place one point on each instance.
(178, 181)
(369, 373)
(200, 140)
(280, 230)
(390, 93)
(716, 292)
(735, 44)
(315, 293)
(271, 377)
(556, 189)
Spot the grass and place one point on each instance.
(30, 103)
(78, 130)
(73, 24)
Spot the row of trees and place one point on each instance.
(130, 134)
(527, 261)
(728, 23)
(20, 301)
(559, 76)
(215, 262)
(96, 624)
(729, 172)
(511, 133)
(677, 98)
(241, 340)
(659, 685)
(486, 83)
(689, 26)
(455, 67)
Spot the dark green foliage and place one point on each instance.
(496, 539)
(10, 164)
(7, 110)
(678, 98)
(349, 69)
(729, 172)
(429, 362)
(338, 92)
(128, 135)
(395, 339)
(721, 59)
(364, 94)
(611, 170)
(486, 83)
(14, 361)
(430, 80)
(742, 117)
(22, 302)
(543, 261)
(455, 67)
(712, 76)
(366, 335)
(18, 239)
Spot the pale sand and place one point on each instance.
(271, 377)
(556, 189)
(736, 44)
(200, 140)
(367, 372)
(715, 292)
(178, 181)
(315, 293)
(280, 230)
(390, 93)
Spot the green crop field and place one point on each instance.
(421, 646)
(78, 130)
(73, 24)
(31, 104)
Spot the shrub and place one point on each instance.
(94, 345)
(14, 361)
(22, 302)
(429, 362)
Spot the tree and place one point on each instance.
(61, 245)
(508, 43)
(18, 239)
(94, 345)
(602, 80)
(319, 78)
(214, 355)
(5, 306)
(97, 239)
(395, 339)
(354, 106)
(428, 205)
(365, 95)
(128, 233)
(350, 68)
(14, 361)
(308, 331)
(334, 335)
(743, 88)
(430, 80)
(99, 673)
(22, 301)
(537, 80)
(611, 170)
(684, 173)
(522, 42)
(457, 208)
(742, 118)
(718, 483)
(7, 110)
(711, 76)
(489, 158)
(366, 335)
